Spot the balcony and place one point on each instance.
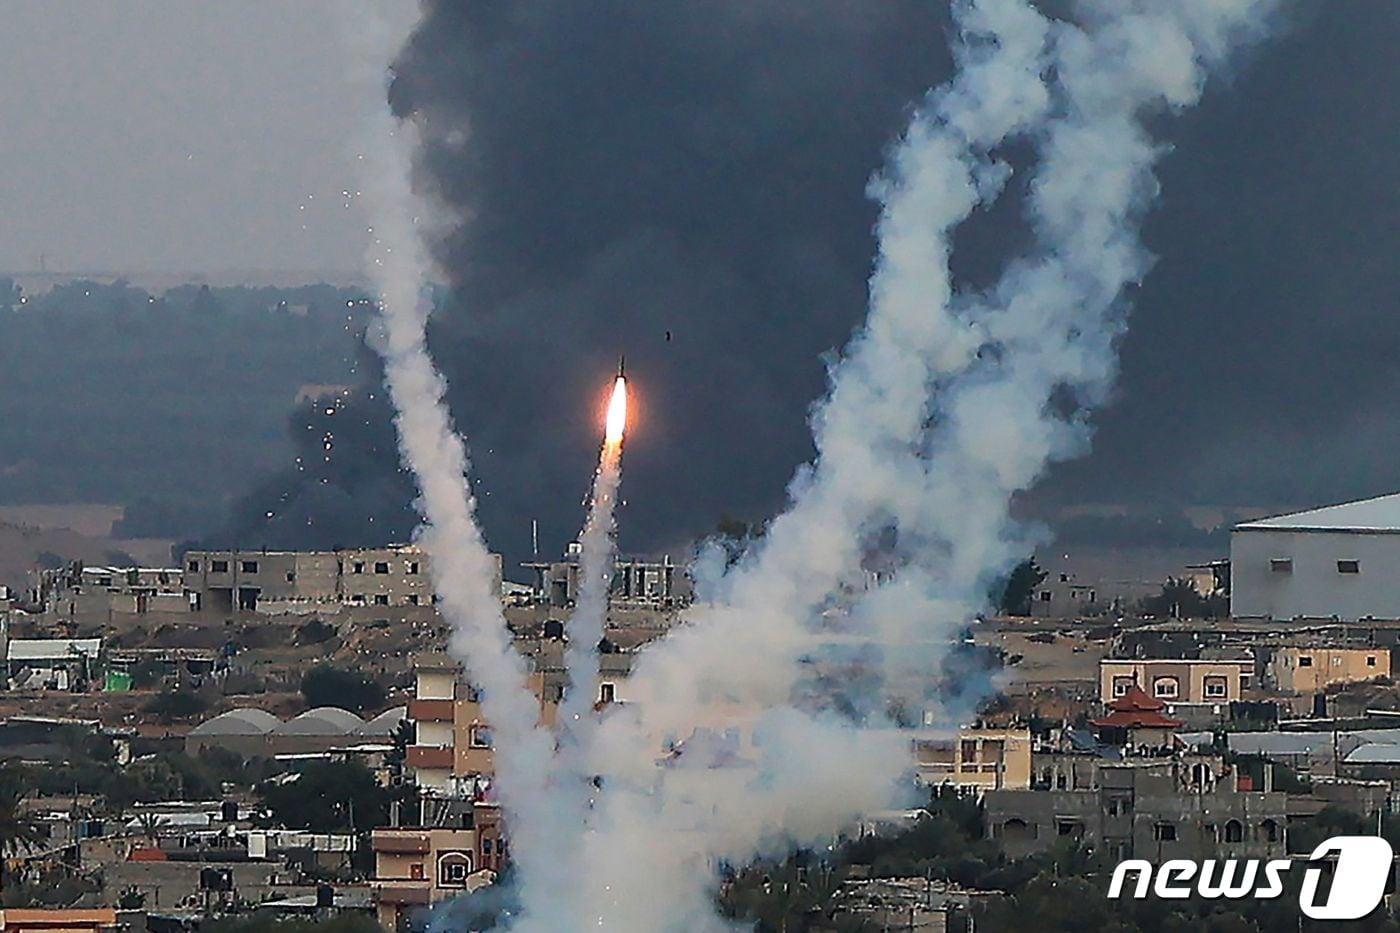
(402, 891)
(429, 756)
(430, 710)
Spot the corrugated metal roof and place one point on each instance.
(1381, 514)
(52, 649)
(1377, 753)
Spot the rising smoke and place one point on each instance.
(944, 405)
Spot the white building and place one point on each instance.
(1342, 561)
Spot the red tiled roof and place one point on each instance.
(1136, 719)
(1135, 700)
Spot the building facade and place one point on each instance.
(1177, 682)
(1340, 562)
(1312, 670)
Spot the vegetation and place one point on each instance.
(1017, 592)
(324, 685)
(1179, 599)
(173, 705)
(19, 830)
(329, 797)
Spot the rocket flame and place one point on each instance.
(617, 412)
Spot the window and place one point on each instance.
(1304, 661)
(192, 566)
(1045, 596)
(250, 566)
(480, 736)
(1370, 660)
(1281, 565)
(412, 568)
(1234, 831)
(1164, 832)
(1348, 566)
(969, 754)
(1121, 685)
(486, 845)
(381, 566)
(413, 599)
(1270, 830)
(358, 567)
(607, 693)
(381, 599)
(219, 566)
(291, 576)
(1217, 687)
(453, 869)
(1166, 687)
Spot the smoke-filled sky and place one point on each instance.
(684, 183)
(169, 136)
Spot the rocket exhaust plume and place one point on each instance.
(943, 406)
(596, 561)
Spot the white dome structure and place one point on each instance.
(323, 720)
(385, 723)
(239, 722)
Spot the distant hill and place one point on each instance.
(168, 404)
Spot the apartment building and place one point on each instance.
(417, 867)
(452, 749)
(976, 759)
(1312, 670)
(300, 581)
(636, 583)
(1177, 682)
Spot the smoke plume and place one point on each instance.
(945, 404)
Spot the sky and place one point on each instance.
(685, 183)
(171, 136)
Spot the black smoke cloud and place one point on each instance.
(683, 183)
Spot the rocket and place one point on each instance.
(620, 373)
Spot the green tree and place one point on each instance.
(324, 685)
(176, 704)
(19, 831)
(328, 797)
(1015, 599)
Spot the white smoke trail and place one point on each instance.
(463, 571)
(1002, 365)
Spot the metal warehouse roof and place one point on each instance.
(52, 649)
(1381, 514)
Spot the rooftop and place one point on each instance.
(1381, 514)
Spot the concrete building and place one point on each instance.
(303, 581)
(1178, 682)
(75, 591)
(1141, 808)
(1296, 670)
(452, 753)
(418, 867)
(976, 759)
(1341, 562)
(636, 583)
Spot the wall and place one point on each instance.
(1314, 588)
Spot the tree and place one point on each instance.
(19, 831)
(1179, 599)
(328, 797)
(1020, 587)
(176, 704)
(324, 685)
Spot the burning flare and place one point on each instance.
(617, 412)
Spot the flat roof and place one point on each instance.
(1380, 515)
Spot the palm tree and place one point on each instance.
(19, 831)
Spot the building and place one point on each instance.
(1178, 682)
(75, 591)
(304, 581)
(1144, 808)
(976, 759)
(52, 920)
(256, 733)
(51, 663)
(452, 751)
(418, 867)
(636, 583)
(1340, 562)
(1296, 670)
(1061, 596)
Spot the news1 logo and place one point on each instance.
(1360, 872)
